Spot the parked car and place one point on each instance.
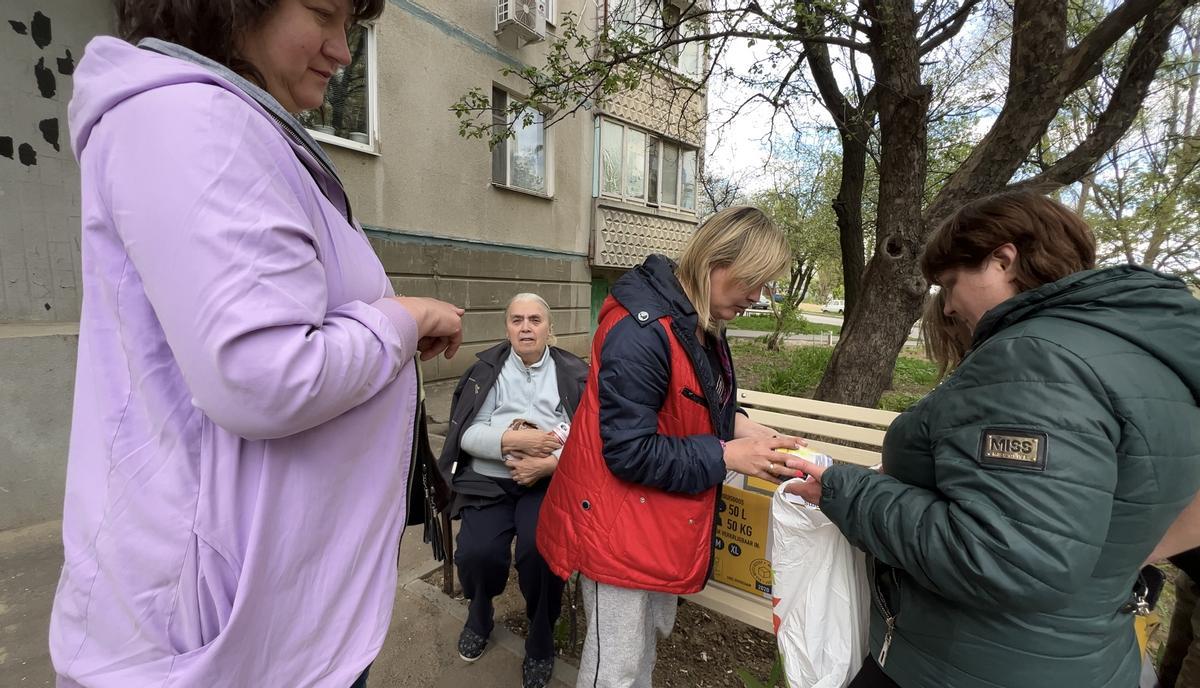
(834, 306)
(761, 307)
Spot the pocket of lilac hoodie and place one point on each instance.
(204, 600)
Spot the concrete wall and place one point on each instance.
(37, 375)
(482, 279)
(440, 225)
(427, 181)
(40, 42)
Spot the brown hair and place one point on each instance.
(1052, 241)
(209, 27)
(947, 339)
(742, 238)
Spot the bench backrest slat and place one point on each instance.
(811, 407)
(805, 427)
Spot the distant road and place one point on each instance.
(831, 319)
(823, 319)
(834, 319)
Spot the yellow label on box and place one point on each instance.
(740, 553)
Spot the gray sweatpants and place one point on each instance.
(623, 626)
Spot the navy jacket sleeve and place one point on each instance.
(635, 371)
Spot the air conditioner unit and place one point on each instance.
(526, 18)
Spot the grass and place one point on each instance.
(796, 371)
(766, 323)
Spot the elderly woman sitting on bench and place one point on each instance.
(509, 417)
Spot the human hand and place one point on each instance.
(535, 443)
(810, 489)
(439, 325)
(744, 427)
(756, 456)
(527, 470)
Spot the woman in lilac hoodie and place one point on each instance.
(246, 391)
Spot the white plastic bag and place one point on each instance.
(821, 601)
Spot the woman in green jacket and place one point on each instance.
(1018, 500)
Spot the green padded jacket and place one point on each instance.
(1019, 499)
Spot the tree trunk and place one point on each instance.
(808, 275)
(893, 289)
(848, 207)
(854, 125)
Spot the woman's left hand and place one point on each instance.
(810, 489)
(527, 470)
(744, 427)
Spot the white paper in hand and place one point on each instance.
(820, 597)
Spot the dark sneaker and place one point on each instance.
(471, 645)
(535, 673)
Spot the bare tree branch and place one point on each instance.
(1081, 60)
(1143, 61)
(947, 28)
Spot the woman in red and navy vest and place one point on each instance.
(632, 505)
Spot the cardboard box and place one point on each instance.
(740, 554)
(760, 486)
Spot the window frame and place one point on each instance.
(371, 147)
(677, 52)
(658, 141)
(505, 147)
(650, 18)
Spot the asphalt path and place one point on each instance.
(834, 319)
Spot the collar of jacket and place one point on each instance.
(1148, 309)
(291, 126)
(1078, 287)
(497, 356)
(653, 289)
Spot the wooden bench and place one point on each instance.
(829, 428)
(849, 434)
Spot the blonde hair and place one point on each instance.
(742, 238)
(947, 339)
(529, 296)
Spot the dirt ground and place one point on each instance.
(706, 650)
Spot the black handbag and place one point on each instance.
(428, 494)
(1146, 591)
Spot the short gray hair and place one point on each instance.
(530, 296)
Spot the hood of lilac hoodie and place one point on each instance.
(118, 71)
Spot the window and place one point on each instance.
(519, 161)
(611, 150)
(635, 163)
(652, 167)
(348, 115)
(550, 9)
(664, 20)
(685, 58)
(687, 180)
(642, 168)
(670, 174)
(633, 15)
